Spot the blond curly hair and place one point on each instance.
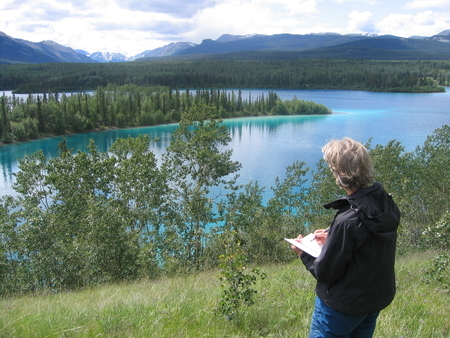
(350, 163)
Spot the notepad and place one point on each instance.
(308, 245)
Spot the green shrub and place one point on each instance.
(236, 284)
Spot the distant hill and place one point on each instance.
(22, 51)
(256, 46)
(173, 48)
(401, 44)
(280, 42)
(229, 37)
(369, 48)
(387, 48)
(442, 36)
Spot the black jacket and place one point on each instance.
(355, 270)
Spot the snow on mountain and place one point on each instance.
(442, 36)
(108, 57)
(229, 37)
(171, 49)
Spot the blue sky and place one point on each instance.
(133, 26)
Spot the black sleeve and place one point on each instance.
(308, 261)
(336, 253)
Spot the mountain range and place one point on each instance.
(16, 51)
(22, 51)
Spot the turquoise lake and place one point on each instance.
(267, 145)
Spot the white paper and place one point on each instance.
(308, 245)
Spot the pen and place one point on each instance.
(326, 230)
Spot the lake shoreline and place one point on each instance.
(243, 112)
(154, 125)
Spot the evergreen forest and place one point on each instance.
(207, 72)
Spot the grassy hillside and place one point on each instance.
(184, 307)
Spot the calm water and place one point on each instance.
(267, 145)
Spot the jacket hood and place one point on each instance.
(376, 209)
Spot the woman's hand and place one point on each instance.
(321, 236)
(297, 250)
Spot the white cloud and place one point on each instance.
(97, 25)
(429, 4)
(425, 18)
(371, 2)
(7, 5)
(175, 8)
(46, 12)
(424, 24)
(305, 7)
(247, 17)
(360, 22)
(38, 28)
(216, 20)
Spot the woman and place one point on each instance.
(355, 270)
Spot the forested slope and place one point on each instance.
(325, 73)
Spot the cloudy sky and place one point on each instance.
(133, 26)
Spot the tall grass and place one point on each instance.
(184, 306)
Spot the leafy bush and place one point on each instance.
(438, 235)
(236, 283)
(439, 272)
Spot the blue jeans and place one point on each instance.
(329, 323)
